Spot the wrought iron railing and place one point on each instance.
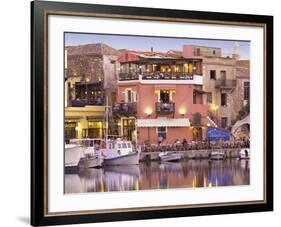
(90, 101)
(156, 76)
(125, 109)
(225, 83)
(165, 108)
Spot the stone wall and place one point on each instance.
(96, 48)
(234, 94)
(86, 66)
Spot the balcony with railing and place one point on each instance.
(167, 76)
(128, 76)
(225, 83)
(155, 76)
(165, 108)
(87, 102)
(125, 109)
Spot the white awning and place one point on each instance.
(163, 122)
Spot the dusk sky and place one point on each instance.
(144, 43)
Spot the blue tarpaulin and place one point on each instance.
(216, 134)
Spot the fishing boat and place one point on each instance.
(244, 153)
(170, 156)
(217, 155)
(91, 155)
(72, 155)
(118, 152)
(83, 153)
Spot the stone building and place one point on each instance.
(92, 72)
(242, 92)
(90, 76)
(222, 79)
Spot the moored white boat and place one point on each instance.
(244, 153)
(72, 155)
(170, 156)
(120, 153)
(217, 155)
(91, 159)
(91, 156)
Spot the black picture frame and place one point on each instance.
(39, 110)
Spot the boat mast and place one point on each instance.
(106, 123)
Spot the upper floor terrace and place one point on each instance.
(164, 70)
(87, 93)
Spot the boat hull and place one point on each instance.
(217, 156)
(173, 157)
(72, 156)
(128, 159)
(244, 154)
(90, 162)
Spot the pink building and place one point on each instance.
(160, 98)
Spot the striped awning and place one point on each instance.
(163, 122)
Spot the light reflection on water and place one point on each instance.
(154, 175)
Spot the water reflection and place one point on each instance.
(154, 175)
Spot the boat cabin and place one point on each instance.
(121, 147)
(87, 142)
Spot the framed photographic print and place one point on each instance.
(141, 113)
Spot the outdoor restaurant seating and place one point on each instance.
(193, 145)
(166, 76)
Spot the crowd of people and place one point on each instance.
(195, 145)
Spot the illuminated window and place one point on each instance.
(197, 133)
(95, 129)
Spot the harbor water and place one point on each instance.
(157, 175)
